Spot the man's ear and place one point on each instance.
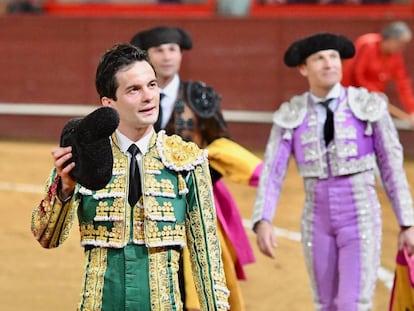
(303, 70)
(107, 102)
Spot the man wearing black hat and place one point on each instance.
(158, 198)
(192, 110)
(336, 135)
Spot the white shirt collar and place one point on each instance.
(142, 144)
(168, 102)
(334, 92)
(171, 90)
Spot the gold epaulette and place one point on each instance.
(178, 155)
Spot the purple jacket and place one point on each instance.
(365, 136)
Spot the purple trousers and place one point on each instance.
(341, 236)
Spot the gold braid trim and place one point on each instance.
(163, 272)
(204, 245)
(51, 220)
(95, 267)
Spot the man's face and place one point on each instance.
(396, 45)
(323, 69)
(137, 98)
(166, 59)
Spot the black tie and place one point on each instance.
(157, 125)
(134, 177)
(328, 128)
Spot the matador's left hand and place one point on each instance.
(406, 238)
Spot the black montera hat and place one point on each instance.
(91, 146)
(160, 35)
(299, 50)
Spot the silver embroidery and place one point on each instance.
(401, 200)
(369, 228)
(313, 170)
(291, 114)
(345, 150)
(340, 116)
(348, 132)
(307, 233)
(308, 137)
(313, 120)
(367, 106)
(343, 166)
(271, 149)
(311, 153)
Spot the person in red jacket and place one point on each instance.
(379, 60)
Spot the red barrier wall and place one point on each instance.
(51, 59)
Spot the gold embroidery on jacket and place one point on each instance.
(166, 234)
(60, 221)
(155, 211)
(102, 236)
(201, 237)
(157, 227)
(138, 231)
(119, 183)
(164, 187)
(163, 278)
(96, 263)
(110, 211)
(178, 155)
(153, 166)
(51, 221)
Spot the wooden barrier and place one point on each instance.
(52, 59)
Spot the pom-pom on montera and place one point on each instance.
(91, 146)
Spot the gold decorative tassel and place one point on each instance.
(182, 186)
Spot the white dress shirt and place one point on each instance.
(142, 144)
(335, 93)
(170, 96)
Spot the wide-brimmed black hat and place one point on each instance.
(91, 146)
(301, 49)
(160, 35)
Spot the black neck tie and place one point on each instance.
(134, 177)
(328, 128)
(157, 125)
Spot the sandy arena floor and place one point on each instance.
(32, 278)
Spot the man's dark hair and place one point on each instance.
(120, 56)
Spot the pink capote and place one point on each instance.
(231, 222)
(402, 294)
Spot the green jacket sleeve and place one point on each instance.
(52, 219)
(203, 242)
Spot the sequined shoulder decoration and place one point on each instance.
(178, 155)
(367, 106)
(291, 114)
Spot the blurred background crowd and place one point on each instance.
(235, 7)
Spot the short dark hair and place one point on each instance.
(120, 56)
